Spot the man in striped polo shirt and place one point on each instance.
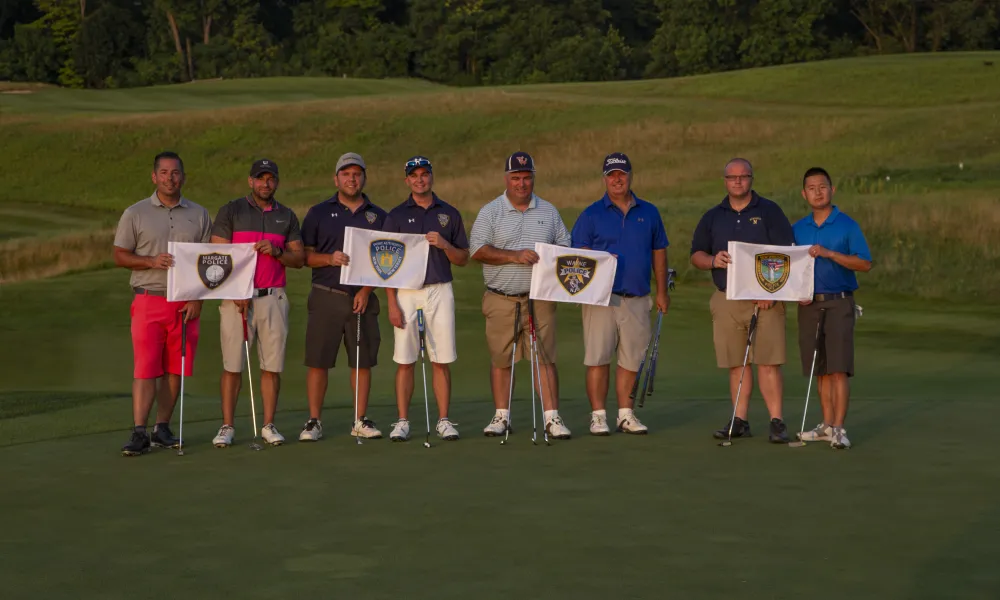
(503, 239)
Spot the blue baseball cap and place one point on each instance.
(418, 162)
(520, 161)
(617, 161)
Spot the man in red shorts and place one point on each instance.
(141, 246)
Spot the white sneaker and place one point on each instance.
(557, 429)
(819, 433)
(599, 424)
(840, 441)
(629, 423)
(400, 431)
(312, 431)
(446, 430)
(365, 428)
(224, 438)
(270, 434)
(497, 427)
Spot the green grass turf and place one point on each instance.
(908, 513)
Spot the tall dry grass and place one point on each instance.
(24, 259)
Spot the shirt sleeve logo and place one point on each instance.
(575, 272)
(444, 220)
(214, 269)
(387, 256)
(772, 270)
(370, 217)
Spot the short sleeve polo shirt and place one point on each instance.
(760, 222)
(323, 231)
(241, 221)
(632, 236)
(410, 217)
(839, 233)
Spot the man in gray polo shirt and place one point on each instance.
(141, 246)
(503, 239)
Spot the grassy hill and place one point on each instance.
(893, 131)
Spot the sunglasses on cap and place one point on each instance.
(417, 162)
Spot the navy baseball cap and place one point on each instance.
(418, 162)
(263, 166)
(520, 161)
(617, 161)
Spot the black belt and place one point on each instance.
(330, 289)
(257, 293)
(628, 295)
(837, 296)
(505, 294)
(144, 292)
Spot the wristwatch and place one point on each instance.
(280, 251)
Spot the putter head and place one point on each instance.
(797, 444)
(427, 444)
(180, 452)
(255, 446)
(726, 444)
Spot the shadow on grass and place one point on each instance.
(22, 404)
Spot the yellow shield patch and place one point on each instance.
(772, 270)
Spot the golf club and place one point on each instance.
(357, 380)
(513, 354)
(253, 408)
(647, 386)
(739, 388)
(638, 374)
(423, 371)
(531, 365)
(180, 441)
(537, 366)
(812, 370)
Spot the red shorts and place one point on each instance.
(156, 337)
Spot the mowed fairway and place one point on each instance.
(910, 512)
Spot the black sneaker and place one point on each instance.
(137, 445)
(164, 438)
(741, 428)
(779, 433)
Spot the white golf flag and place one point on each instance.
(572, 275)
(383, 259)
(760, 272)
(210, 271)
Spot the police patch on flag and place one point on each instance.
(772, 270)
(387, 257)
(214, 269)
(575, 272)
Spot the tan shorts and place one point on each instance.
(267, 321)
(499, 313)
(624, 325)
(730, 325)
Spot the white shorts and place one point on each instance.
(438, 303)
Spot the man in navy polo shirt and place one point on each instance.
(631, 229)
(840, 248)
(334, 308)
(744, 216)
(423, 212)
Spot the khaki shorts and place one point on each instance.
(267, 321)
(836, 342)
(499, 313)
(437, 300)
(622, 326)
(730, 325)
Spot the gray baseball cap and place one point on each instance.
(350, 159)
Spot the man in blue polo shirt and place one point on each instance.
(744, 216)
(631, 229)
(423, 212)
(840, 248)
(334, 308)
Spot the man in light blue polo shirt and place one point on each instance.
(631, 229)
(839, 246)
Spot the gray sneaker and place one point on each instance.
(840, 441)
(819, 433)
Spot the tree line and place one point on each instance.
(124, 43)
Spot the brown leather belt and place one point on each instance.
(144, 292)
(837, 296)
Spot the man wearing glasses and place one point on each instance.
(744, 216)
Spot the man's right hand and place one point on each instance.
(396, 316)
(525, 257)
(339, 259)
(241, 305)
(162, 261)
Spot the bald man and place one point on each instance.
(744, 216)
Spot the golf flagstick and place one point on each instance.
(513, 354)
(357, 381)
(812, 370)
(653, 356)
(180, 443)
(253, 405)
(423, 372)
(739, 388)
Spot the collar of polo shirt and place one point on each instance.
(156, 201)
(531, 203)
(365, 202)
(754, 201)
(435, 201)
(608, 202)
(829, 220)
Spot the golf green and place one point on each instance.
(909, 512)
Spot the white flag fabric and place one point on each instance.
(572, 275)
(383, 259)
(761, 272)
(210, 271)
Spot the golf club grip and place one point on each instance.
(244, 316)
(517, 321)
(184, 337)
(420, 329)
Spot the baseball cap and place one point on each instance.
(418, 162)
(263, 166)
(350, 159)
(617, 161)
(520, 161)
